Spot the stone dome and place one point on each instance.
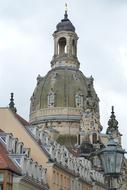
(64, 85)
(65, 25)
(61, 96)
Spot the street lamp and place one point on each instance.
(112, 158)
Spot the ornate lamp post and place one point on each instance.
(112, 158)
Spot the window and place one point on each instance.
(14, 146)
(1, 177)
(1, 181)
(18, 160)
(72, 183)
(94, 138)
(21, 149)
(1, 186)
(65, 182)
(4, 139)
(54, 177)
(62, 47)
(79, 100)
(68, 183)
(57, 179)
(61, 180)
(73, 48)
(9, 187)
(51, 99)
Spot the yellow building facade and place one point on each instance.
(58, 176)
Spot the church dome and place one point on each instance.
(61, 88)
(60, 97)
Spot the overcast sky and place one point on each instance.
(26, 49)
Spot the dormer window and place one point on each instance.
(79, 100)
(51, 99)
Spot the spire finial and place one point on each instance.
(66, 9)
(65, 6)
(112, 113)
(12, 104)
(112, 110)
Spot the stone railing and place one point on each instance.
(55, 111)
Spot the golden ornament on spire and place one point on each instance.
(66, 9)
(66, 15)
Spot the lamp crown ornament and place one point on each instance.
(112, 123)
(111, 140)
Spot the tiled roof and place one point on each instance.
(6, 163)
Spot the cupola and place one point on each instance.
(65, 45)
(64, 93)
(65, 24)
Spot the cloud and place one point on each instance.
(123, 55)
(26, 48)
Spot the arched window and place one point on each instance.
(62, 46)
(73, 48)
(79, 100)
(51, 99)
(94, 138)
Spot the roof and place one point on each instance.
(22, 120)
(1, 130)
(67, 84)
(6, 163)
(65, 24)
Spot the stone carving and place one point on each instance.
(75, 76)
(38, 79)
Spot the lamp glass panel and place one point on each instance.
(119, 159)
(1, 177)
(108, 160)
